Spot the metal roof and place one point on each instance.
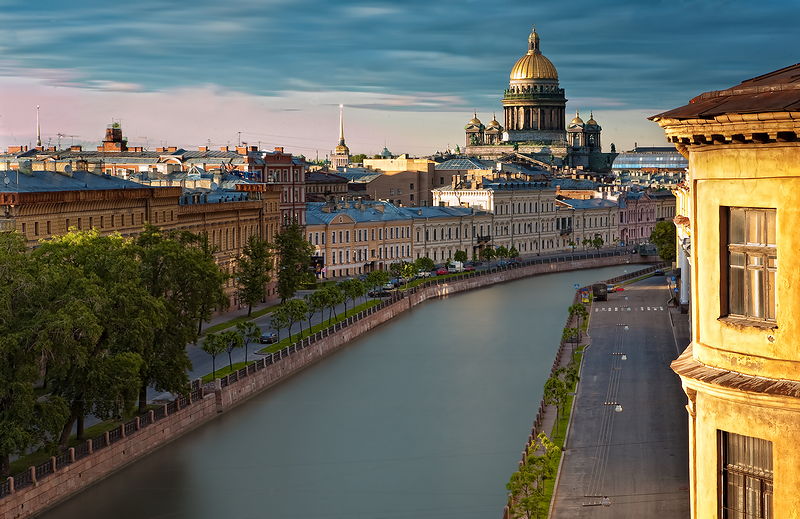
(40, 181)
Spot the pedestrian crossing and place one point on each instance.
(628, 308)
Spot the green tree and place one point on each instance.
(579, 311)
(377, 278)
(294, 259)
(295, 311)
(663, 237)
(253, 271)
(25, 419)
(279, 319)
(572, 244)
(214, 344)
(487, 254)
(424, 264)
(501, 252)
(555, 393)
(315, 302)
(178, 268)
(408, 271)
(597, 242)
(586, 242)
(460, 255)
(359, 158)
(352, 290)
(396, 269)
(233, 341)
(333, 297)
(250, 333)
(513, 253)
(102, 320)
(527, 486)
(569, 335)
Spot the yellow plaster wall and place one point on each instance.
(750, 175)
(768, 418)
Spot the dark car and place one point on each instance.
(269, 338)
(658, 272)
(379, 293)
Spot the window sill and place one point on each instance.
(742, 322)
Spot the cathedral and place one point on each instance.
(534, 120)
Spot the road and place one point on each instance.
(630, 461)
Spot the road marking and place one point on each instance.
(661, 308)
(648, 308)
(615, 308)
(596, 309)
(642, 308)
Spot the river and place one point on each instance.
(424, 417)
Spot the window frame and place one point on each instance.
(765, 252)
(748, 474)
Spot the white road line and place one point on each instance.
(642, 308)
(661, 308)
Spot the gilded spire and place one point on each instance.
(533, 42)
(341, 125)
(38, 128)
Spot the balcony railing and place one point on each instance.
(7, 225)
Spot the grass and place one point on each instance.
(272, 348)
(45, 453)
(240, 319)
(221, 372)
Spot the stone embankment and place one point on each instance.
(41, 487)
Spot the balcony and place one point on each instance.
(483, 239)
(565, 232)
(7, 225)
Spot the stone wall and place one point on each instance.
(70, 474)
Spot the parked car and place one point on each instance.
(423, 274)
(441, 271)
(502, 263)
(658, 272)
(469, 268)
(269, 338)
(379, 293)
(388, 286)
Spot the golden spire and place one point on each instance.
(533, 42)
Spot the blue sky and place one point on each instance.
(410, 72)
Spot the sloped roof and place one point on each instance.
(40, 181)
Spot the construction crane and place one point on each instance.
(65, 135)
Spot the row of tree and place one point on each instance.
(89, 322)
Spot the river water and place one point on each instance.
(424, 417)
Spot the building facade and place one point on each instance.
(741, 372)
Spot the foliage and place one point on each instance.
(555, 393)
(396, 269)
(295, 311)
(333, 296)
(294, 259)
(664, 238)
(250, 332)
(424, 264)
(279, 319)
(253, 271)
(377, 278)
(501, 252)
(527, 485)
(233, 341)
(487, 254)
(359, 158)
(597, 242)
(408, 271)
(460, 255)
(513, 252)
(214, 344)
(352, 290)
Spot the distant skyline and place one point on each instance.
(409, 73)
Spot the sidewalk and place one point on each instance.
(681, 329)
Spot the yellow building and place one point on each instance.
(741, 372)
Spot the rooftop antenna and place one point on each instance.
(38, 128)
(240, 138)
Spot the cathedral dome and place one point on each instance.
(474, 123)
(591, 121)
(533, 65)
(577, 121)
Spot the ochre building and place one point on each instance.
(741, 372)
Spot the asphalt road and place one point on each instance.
(632, 463)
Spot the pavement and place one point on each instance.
(629, 461)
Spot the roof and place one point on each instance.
(318, 177)
(574, 184)
(360, 175)
(660, 158)
(40, 181)
(591, 203)
(464, 163)
(777, 91)
(367, 213)
(437, 211)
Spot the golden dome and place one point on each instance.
(533, 65)
(591, 121)
(577, 119)
(494, 121)
(474, 122)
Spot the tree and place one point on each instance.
(315, 302)
(250, 332)
(214, 344)
(424, 264)
(396, 269)
(501, 252)
(377, 278)
(294, 258)
(569, 335)
(333, 297)
(528, 485)
(279, 319)
(352, 289)
(555, 393)
(233, 341)
(27, 419)
(579, 311)
(295, 311)
(253, 271)
(178, 268)
(101, 321)
(597, 242)
(460, 255)
(513, 253)
(359, 158)
(663, 237)
(487, 254)
(408, 271)
(586, 242)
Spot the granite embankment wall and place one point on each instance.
(41, 487)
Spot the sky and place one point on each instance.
(409, 72)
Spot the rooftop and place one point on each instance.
(41, 181)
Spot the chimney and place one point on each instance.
(279, 149)
(253, 148)
(172, 149)
(161, 150)
(223, 148)
(75, 148)
(241, 150)
(202, 148)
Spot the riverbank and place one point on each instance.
(237, 388)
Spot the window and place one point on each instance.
(746, 477)
(752, 263)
